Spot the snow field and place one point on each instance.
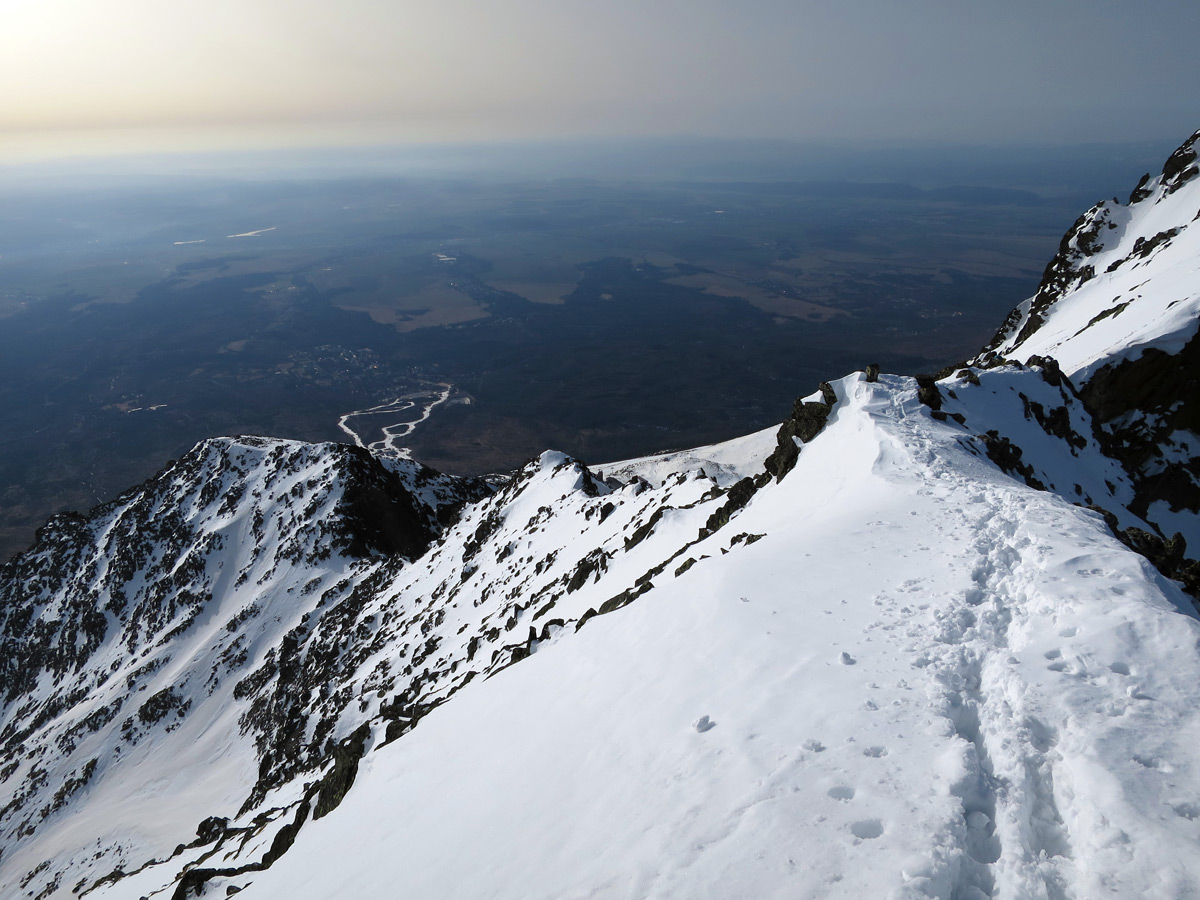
(1087, 328)
(925, 681)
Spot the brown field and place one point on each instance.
(661, 260)
(726, 286)
(553, 293)
(434, 305)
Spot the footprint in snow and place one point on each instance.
(842, 792)
(875, 752)
(867, 829)
(703, 724)
(814, 745)
(1190, 811)
(1150, 762)
(846, 659)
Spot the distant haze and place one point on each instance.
(83, 77)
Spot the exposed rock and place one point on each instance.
(1180, 166)
(804, 424)
(337, 782)
(927, 391)
(1007, 455)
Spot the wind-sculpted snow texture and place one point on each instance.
(901, 646)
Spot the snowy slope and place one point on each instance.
(919, 641)
(926, 680)
(1118, 310)
(1127, 277)
(126, 640)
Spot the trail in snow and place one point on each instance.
(925, 680)
(396, 431)
(921, 680)
(1030, 666)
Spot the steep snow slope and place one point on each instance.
(241, 705)
(894, 648)
(925, 680)
(126, 638)
(1097, 305)
(1118, 309)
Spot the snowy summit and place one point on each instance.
(930, 638)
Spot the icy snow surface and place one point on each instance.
(926, 680)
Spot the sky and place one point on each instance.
(84, 77)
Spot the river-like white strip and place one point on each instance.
(253, 233)
(392, 434)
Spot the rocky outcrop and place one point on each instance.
(807, 419)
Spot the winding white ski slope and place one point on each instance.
(926, 680)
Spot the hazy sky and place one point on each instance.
(86, 76)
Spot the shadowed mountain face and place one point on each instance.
(916, 640)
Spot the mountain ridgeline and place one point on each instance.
(197, 675)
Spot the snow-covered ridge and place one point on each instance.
(924, 680)
(124, 635)
(892, 648)
(1118, 311)
(1127, 277)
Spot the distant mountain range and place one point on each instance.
(931, 637)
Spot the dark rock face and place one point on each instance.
(1143, 402)
(379, 515)
(928, 393)
(739, 495)
(1155, 382)
(1140, 192)
(1065, 272)
(1007, 455)
(337, 782)
(804, 424)
(1180, 166)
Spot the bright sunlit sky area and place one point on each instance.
(88, 77)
